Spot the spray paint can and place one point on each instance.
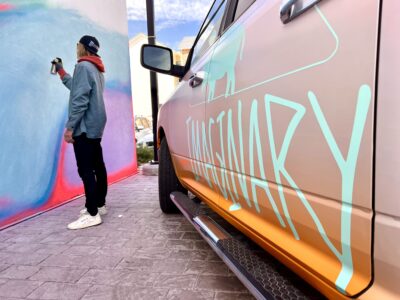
(55, 61)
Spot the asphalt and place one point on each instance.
(136, 253)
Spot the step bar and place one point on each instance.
(260, 272)
(214, 235)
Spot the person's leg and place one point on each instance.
(101, 174)
(84, 151)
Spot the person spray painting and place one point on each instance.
(84, 129)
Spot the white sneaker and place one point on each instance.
(102, 211)
(84, 221)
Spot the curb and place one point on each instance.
(150, 170)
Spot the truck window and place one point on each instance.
(212, 11)
(241, 7)
(210, 29)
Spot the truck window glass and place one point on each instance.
(241, 7)
(210, 14)
(210, 32)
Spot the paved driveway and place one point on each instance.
(137, 253)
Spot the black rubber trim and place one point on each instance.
(374, 153)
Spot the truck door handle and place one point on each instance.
(291, 9)
(196, 79)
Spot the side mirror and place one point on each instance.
(159, 59)
(156, 58)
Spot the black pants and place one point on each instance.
(91, 168)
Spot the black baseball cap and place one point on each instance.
(90, 43)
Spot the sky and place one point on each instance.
(174, 19)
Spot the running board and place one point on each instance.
(261, 275)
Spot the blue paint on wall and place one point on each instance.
(34, 103)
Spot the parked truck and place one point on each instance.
(286, 124)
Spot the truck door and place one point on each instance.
(293, 108)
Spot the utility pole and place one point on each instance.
(153, 76)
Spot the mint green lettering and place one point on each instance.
(254, 134)
(221, 159)
(194, 170)
(347, 168)
(240, 171)
(206, 155)
(278, 161)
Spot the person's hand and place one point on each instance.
(58, 62)
(68, 136)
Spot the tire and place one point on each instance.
(167, 180)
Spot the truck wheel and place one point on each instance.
(167, 180)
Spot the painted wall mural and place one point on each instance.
(38, 170)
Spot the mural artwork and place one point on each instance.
(38, 169)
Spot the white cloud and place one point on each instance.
(170, 12)
(164, 24)
(110, 14)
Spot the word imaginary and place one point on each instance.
(231, 159)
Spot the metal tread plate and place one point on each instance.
(190, 206)
(268, 274)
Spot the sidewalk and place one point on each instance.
(137, 253)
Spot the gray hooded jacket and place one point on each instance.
(86, 112)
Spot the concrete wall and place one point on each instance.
(37, 169)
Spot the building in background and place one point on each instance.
(140, 82)
(140, 77)
(184, 48)
(182, 54)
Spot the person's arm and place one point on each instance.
(79, 99)
(65, 77)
